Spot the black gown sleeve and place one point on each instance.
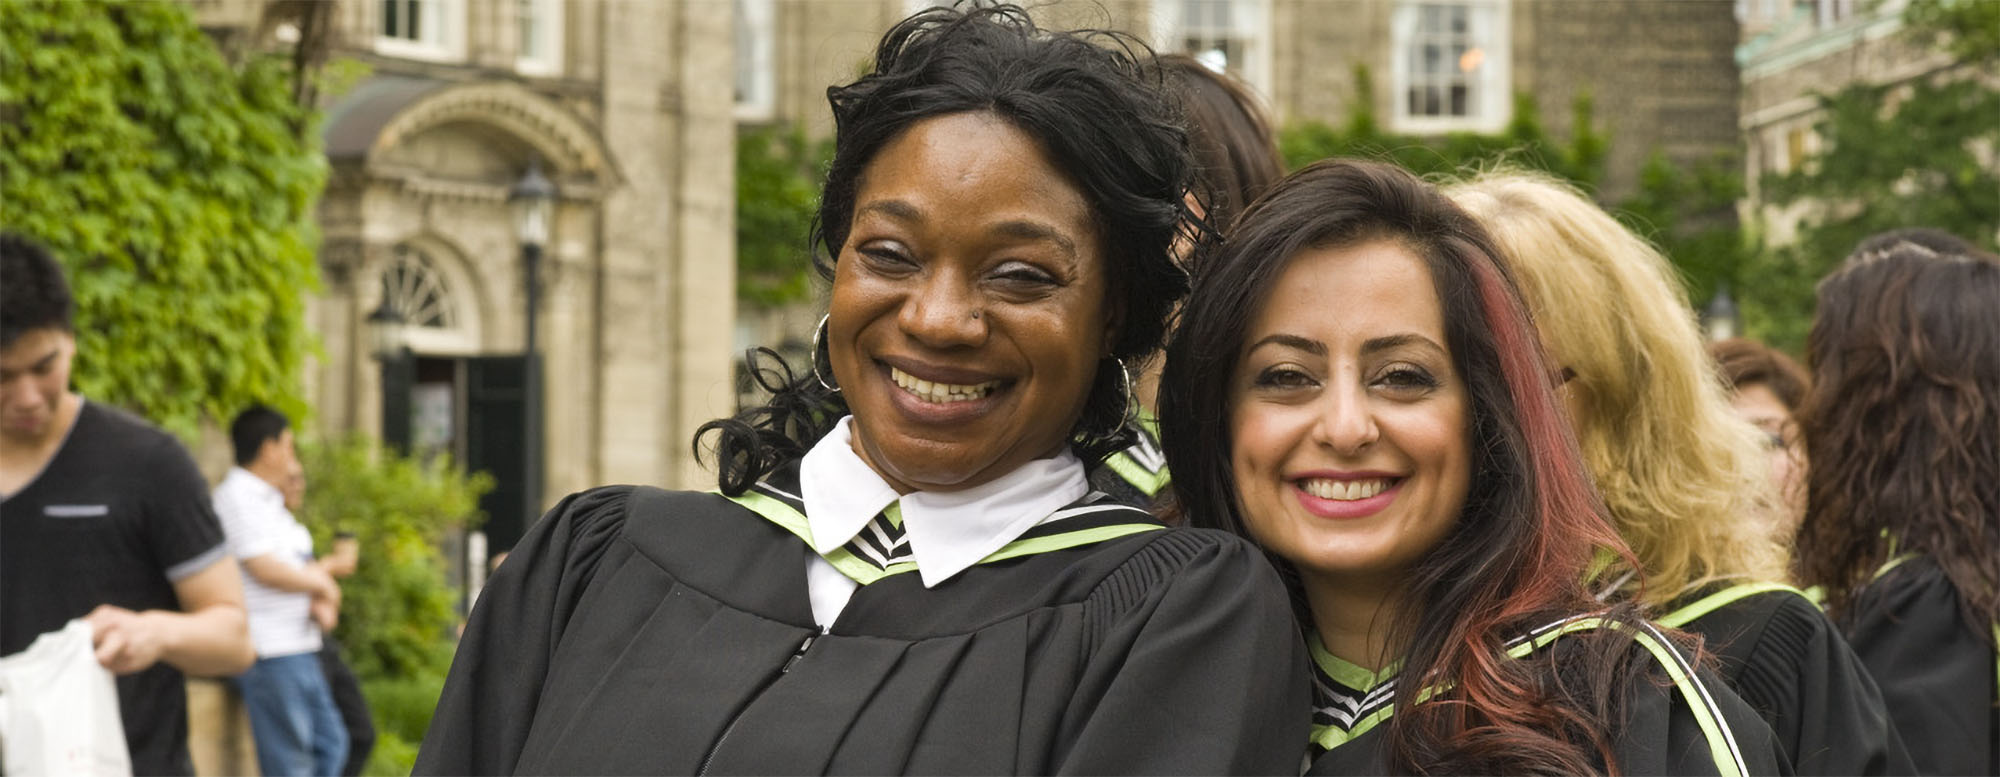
(1802, 677)
(1207, 676)
(1936, 673)
(495, 683)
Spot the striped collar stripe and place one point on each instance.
(882, 549)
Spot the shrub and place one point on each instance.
(399, 615)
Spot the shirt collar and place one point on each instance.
(251, 485)
(949, 531)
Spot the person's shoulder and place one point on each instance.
(1906, 586)
(639, 512)
(107, 425)
(1190, 558)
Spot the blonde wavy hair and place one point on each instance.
(1684, 477)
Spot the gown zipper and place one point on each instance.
(789, 663)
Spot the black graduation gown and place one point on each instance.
(1937, 672)
(1138, 475)
(1677, 721)
(1778, 651)
(643, 631)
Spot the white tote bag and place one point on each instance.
(59, 709)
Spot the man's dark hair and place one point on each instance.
(252, 428)
(33, 293)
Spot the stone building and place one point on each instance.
(1660, 72)
(1802, 48)
(623, 105)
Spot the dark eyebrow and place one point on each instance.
(1029, 230)
(1310, 346)
(37, 365)
(895, 209)
(1017, 229)
(1391, 342)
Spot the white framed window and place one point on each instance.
(421, 29)
(1449, 66)
(1831, 12)
(756, 60)
(539, 24)
(1229, 35)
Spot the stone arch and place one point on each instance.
(560, 138)
(381, 114)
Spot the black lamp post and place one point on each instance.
(1720, 319)
(533, 200)
(385, 329)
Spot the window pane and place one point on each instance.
(413, 14)
(1458, 19)
(525, 12)
(1459, 101)
(389, 18)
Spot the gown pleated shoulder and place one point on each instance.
(1678, 719)
(637, 631)
(1777, 650)
(1937, 671)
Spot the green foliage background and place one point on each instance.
(179, 193)
(398, 616)
(1894, 155)
(778, 175)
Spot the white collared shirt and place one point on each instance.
(948, 531)
(256, 523)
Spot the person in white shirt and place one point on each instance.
(290, 598)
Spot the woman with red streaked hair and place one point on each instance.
(1356, 386)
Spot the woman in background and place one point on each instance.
(1902, 520)
(1682, 476)
(1766, 388)
(1355, 384)
(906, 570)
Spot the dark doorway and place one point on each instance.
(472, 408)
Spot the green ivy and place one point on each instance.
(399, 616)
(778, 174)
(178, 192)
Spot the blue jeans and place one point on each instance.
(292, 717)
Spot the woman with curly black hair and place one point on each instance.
(1902, 527)
(905, 570)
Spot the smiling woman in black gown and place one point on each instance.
(905, 570)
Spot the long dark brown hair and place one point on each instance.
(1517, 555)
(1902, 423)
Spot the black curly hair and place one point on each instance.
(1088, 99)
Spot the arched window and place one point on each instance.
(412, 286)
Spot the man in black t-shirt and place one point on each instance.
(104, 517)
